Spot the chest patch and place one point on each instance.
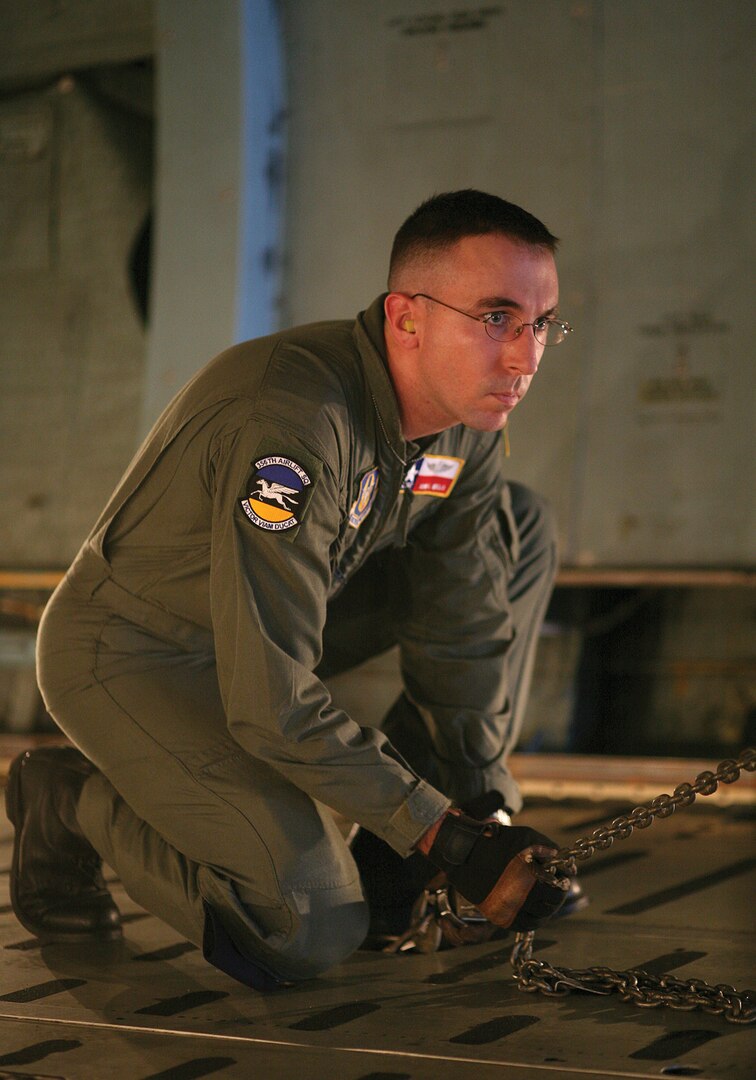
(365, 497)
(278, 492)
(433, 475)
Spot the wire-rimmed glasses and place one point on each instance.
(503, 326)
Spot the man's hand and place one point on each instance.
(495, 867)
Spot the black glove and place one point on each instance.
(492, 866)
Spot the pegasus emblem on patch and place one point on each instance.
(277, 490)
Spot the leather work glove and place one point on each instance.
(495, 867)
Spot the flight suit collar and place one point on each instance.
(369, 335)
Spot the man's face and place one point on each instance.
(463, 375)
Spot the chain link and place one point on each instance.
(706, 783)
(636, 985)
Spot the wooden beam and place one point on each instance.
(655, 577)
(567, 577)
(25, 580)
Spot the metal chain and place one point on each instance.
(706, 783)
(636, 985)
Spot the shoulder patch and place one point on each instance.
(365, 498)
(278, 491)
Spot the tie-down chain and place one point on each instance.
(636, 985)
(442, 915)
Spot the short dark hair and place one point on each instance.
(441, 221)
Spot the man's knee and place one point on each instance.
(534, 551)
(312, 948)
(323, 937)
(300, 938)
(534, 518)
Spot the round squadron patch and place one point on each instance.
(277, 493)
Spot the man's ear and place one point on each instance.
(400, 317)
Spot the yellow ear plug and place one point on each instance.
(409, 325)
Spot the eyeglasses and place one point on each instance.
(501, 326)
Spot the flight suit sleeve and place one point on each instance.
(269, 581)
(456, 634)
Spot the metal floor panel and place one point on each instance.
(673, 898)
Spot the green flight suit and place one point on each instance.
(184, 649)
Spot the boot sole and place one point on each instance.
(15, 810)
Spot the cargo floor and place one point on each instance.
(676, 898)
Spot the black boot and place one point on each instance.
(56, 883)
(391, 885)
